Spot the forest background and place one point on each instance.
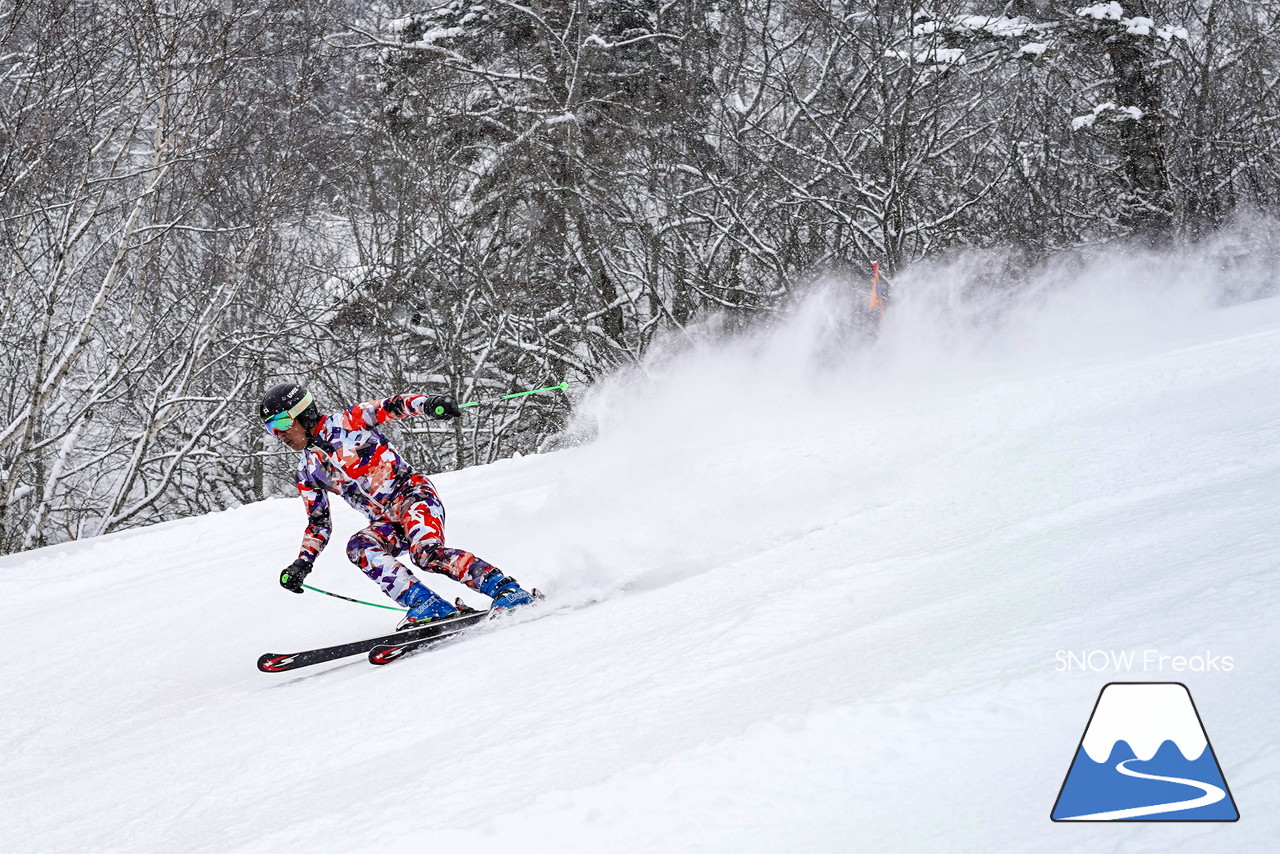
(198, 200)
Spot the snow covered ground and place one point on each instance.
(818, 594)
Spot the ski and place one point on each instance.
(277, 662)
(401, 646)
(385, 653)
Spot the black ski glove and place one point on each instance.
(442, 406)
(296, 573)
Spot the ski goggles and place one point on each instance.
(282, 421)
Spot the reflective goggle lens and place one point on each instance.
(282, 421)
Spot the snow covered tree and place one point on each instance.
(1103, 45)
(514, 231)
(142, 201)
(481, 197)
(1224, 151)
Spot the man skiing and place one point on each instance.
(347, 454)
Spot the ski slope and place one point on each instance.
(812, 599)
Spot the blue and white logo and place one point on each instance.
(1145, 757)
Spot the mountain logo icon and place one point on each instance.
(1145, 756)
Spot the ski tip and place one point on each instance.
(274, 662)
(385, 654)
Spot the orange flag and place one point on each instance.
(875, 303)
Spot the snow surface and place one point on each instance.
(814, 598)
(1138, 25)
(1169, 32)
(1111, 11)
(1109, 110)
(429, 38)
(930, 56)
(1001, 26)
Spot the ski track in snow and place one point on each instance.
(1211, 794)
(805, 609)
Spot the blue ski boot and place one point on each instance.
(424, 606)
(504, 589)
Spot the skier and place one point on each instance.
(346, 453)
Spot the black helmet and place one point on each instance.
(285, 403)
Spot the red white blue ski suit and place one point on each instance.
(348, 455)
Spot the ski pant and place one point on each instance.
(414, 523)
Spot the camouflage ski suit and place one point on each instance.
(348, 455)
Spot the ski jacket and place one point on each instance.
(348, 456)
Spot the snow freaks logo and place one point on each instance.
(1147, 661)
(1145, 756)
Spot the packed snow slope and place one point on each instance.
(812, 594)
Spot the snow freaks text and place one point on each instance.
(1146, 661)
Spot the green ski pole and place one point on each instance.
(349, 599)
(559, 386)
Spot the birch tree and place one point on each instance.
(128, 294)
